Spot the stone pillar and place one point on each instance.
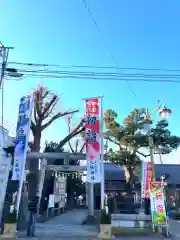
(86, 194)
(90, 199)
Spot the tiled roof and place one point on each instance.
(113, 172)
(172, 169)
(116, 173)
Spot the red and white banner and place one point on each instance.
(158, 209)
(92, 137)
(148, 179)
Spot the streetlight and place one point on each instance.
(144, 121)
(165, 112)
(12, 72)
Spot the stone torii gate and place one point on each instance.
(66, 157)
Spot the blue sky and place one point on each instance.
(140, 33)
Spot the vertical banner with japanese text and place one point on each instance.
(92, 137)
(158, 209)
(148, 179)
(22, 136)
(143, 178)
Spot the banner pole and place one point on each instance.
(23, 172)
(102, 155)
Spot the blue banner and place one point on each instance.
(22, 136)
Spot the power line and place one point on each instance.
(93, 66)
(104, 40)
(95, 75)
(149, 80)
(8, 125)
(100, 74)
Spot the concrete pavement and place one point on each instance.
(174, 229)
(90, 238)
(67, 225)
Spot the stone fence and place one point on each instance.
(131, 220)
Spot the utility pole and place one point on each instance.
(4, 52)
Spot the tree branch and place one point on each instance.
(82, 148)
(113, 141)
(37, 103)
(69, 131)
(35, 115)
(48, 106)
(33, 127)
(142, 154)
(72, 150)
(48, 114)
(55, 117)
(70, 136)
(45, 94)
(76, 147)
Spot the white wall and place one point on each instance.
(5, 139)
(5, 164)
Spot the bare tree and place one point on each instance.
(44, 114)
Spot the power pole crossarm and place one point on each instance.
(4, 51)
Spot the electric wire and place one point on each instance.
(93, 73)
(104, 40)
(7, 124)
(93, 66)
(101, 74)
(101, 78)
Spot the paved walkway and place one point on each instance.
(68, 226)
(174, 229)
(65, 225)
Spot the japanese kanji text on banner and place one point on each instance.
(92, 137)
(148, 179)
(22, 135)
(158, 209)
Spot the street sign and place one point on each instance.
(60, 190)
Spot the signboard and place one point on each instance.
(62, 201)
(60, 189)
(148, 177)
(158, 209)
(22, 136)
(51, 201)
(92, 138)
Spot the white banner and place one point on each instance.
(5, 165)
(92, 138)
(51, 201)
(22, 136)
(143, 178)
(60, 188)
